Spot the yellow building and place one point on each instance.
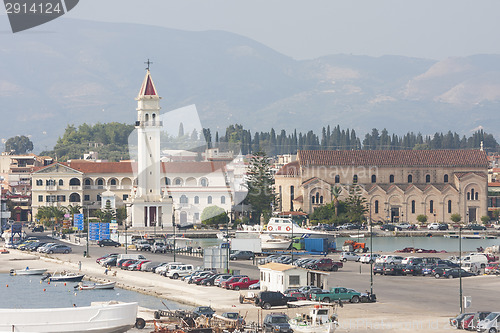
(398, 185)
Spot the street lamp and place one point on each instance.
(460, 268)
(173, 224)
(88, 228)
(371, 252)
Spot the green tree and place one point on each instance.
(19, 145)
(496, 214)
(485, 219)
(214, 216)
(356, 204)
(456, 218)
(335, 192)
(121, 214)
(260, 183)
(422, 218)
(73, 209)
(107, 214)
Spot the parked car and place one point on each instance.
(225, 284)
(413, 269)
(222, 278)
(405, 226)
(108, 242)
(243, 255)
(143, 245)
(325, 264)
(203, 311)
(389, 259)
(243, 283)
(349, 256)
(478, 317)
(456, 322)
(159, 247)
(394, 269)
(492, 268)
(234, 316)
(368, 258)
(38, 228)
(443, 226)
(490, 324)
(57, 248)
(268, 299)
(378, 268)
(298, 295)
(277, 323)
(337, 294)
(111, 261)
(254, 286)
(390, 227)
(455, 273)
(42, 248)
(124, 265)
(209, 280)
(474, 226)
(433, 226)
(179, 271)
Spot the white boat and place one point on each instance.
(95, 286)
(357, 236)
(321, 319)
(286, 227)
(269, 242)
(63, 277)
(28, 271)
(102, 318)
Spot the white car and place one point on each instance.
(367, 258)
(406, 260)
(349, 256)
(433, 226)
(180, 271)
(389, 259)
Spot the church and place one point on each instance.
(399, 185)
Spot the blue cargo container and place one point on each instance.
(316, 244)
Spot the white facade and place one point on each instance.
(279, 277)
(149, 206)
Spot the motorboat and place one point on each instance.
(63, 277)
(100, 318)
(95, 286)
(28, 271)
(322, 319)
(287, 227)
(270, 242)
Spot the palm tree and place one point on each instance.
(335, 192)
(73, 209)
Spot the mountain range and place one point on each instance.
(75, 71)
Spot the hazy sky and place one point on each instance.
(311, 28)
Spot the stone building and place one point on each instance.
(398, 185)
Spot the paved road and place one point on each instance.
(412, 293)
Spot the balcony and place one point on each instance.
(148, 123)
(51, 188)
(75, 188)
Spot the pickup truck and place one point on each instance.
(243, 283)
(225, 284)
(326, 264)
(337, 294)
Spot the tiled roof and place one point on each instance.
(290, 169)
(494, 184)
(148, 87)
(193, 167)
(275, 266)
(449, 158)
(299, 199)
(463, 174)
(101, 167)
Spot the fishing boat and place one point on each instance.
(322, 319)
(270, 242)
(63, 277)
(100, 318)
(28, 271)
(95, 286)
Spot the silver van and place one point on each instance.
(490, 324)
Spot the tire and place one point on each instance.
(51, 252)
(237, 288)
(355, 299)
(266, 306)
(66, 251)
(241, 299)
(175, 276)
(102, 245)
(334, 268)
(344, 260)
(140, 323)
(437, 276)
(326, 300)
(450, 276)
(251, 258)
(492, 330)
(209, 283)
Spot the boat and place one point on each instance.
(270, 242)
(321, 319)
(95, 286)
(357, 236)
(101, 318)
(28, 271)
(471, 237)
(63, 277)
(286, 227)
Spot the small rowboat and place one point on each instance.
(94, 286)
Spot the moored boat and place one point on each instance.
(28, 271)
(95, 286)
(102, 318)
(269, 242)
(321, 319)
(63, 277)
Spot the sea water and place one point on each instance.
(24, 291)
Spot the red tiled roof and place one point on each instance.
(290, 169)
(192, 167)
(286, 214)
(299, 199)
(463, 174)
(449, 158)
(494, 184)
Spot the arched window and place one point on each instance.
(413, 206)
(468, 195)
(196, 199)
(445, 178)
(178, 181)
(146, 117)
(376, 206)
(427, 178)
(209, 199)
(317, 197)
(449, 206)
(321, 199)
(74, 182)
(391, 179)
(410, 179)
(355, 179)
(472, 194)
(374, 178)
(39, 182)
(222, 199)
(74, 197)
(100, 182)
(476, 197)
(204, 182)
(167, 181)
(337, 179)
(87, 181)
(183, 199)
(431, 206)
(112, 182)
(313, 199)
(61, 182)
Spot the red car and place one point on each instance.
(467, 322)
(128, 263)
(243, 283)
(226, 283)
(297, 295)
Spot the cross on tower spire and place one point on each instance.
(148, 63)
